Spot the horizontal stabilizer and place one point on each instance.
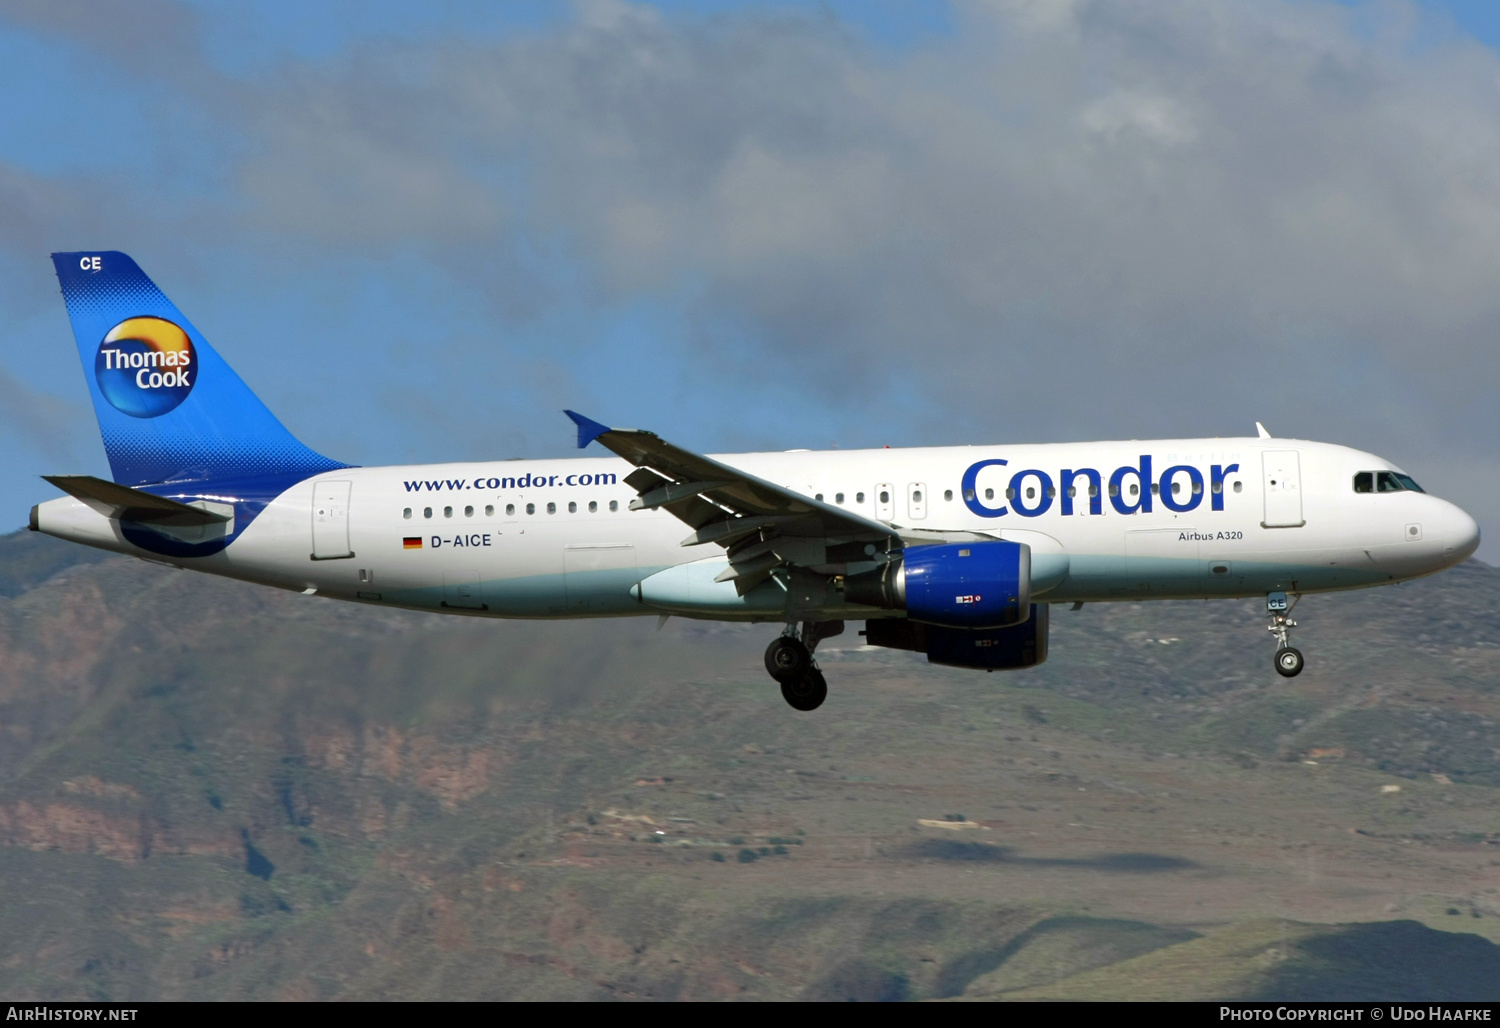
(126, 504)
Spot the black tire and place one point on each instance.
(807, 692)
(1289, 662)
(787, 660)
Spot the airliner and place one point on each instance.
(958, 553)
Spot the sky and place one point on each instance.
(419, 232)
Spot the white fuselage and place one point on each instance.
(556, 538)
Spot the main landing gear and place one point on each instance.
(1288, 657)
(789, 659)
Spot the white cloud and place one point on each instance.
(1158, 118)
(1068, 219)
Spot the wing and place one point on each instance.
(762, 525)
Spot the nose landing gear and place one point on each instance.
(1288, 658)
(790, 661)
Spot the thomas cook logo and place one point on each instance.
(146, 367)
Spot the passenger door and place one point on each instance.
(330, 529)
(885, 501)
(1282, 483)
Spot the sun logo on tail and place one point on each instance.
(146, 366)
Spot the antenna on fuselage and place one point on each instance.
(1260, 430)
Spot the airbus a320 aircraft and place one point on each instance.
(955, 552)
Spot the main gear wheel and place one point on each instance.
(806, 692)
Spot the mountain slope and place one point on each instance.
(211, 789)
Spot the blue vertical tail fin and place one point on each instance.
(169, 408)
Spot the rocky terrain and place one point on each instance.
(209, 789)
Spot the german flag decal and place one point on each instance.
(412, 542)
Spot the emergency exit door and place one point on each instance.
(1282, 483)
(331, 520)
(916, 500)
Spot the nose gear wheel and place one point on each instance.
(1288, 658)
(1289, 662)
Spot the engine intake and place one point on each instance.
(957, 585)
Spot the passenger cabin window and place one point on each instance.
(948, 495)
(447, 512)
(489, 510)
(468, 512)
(551, 508)
(406, 513)
(614, 505)
(1364, 482)
(427, 512)
(572, 507)
(531, 508)
(838, 497)
(510, 509)
(593, 506)
(885, 497)
(859, 497)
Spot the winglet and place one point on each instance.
(588, 429)
(1260, 430)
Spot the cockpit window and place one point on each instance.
(1385, 482)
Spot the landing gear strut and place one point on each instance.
(790, 661)
(1288, 657)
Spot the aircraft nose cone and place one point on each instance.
(1463, 535)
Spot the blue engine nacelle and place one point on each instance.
(955, 585)
(990, 649)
